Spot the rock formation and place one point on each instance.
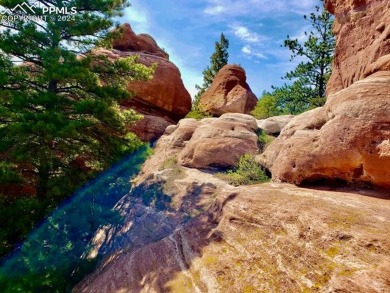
(274, 125)
(128, 41)
(163, 100)
(229, 93)
(271, 237)
(219, 142)
(363, 40)
(347, 139)
(186, 230)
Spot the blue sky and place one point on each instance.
(188, 30)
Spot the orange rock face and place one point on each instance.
(349, 137)
(220, 142)
(229, 93)
(144, 43)
(346, 139)
(163, 100)
(362, 29)
(263, 238)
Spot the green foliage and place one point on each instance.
(309, 78)
(54, 108)
(246, 172)
(53, 257)
(267, 106)
(218, 60)
(197, 114)
(264, 139)
(59, 112)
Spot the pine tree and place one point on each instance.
(309, 78)
(318, 49)
(218, 60)
(58, 101)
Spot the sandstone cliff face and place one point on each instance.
(362, 29)
(200, 234)
(229, 93)
(265, 238)
(163, 100)
(346, 139)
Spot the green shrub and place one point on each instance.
(246, 172)
(264, 139)
(267, 106)
(197, 114)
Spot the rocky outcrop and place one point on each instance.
(166, 193)
(220, 142)
(150, 127)
(143, 43)
(271, 238)
(186, 230)
(363, 40)
(347, 139)
(274, 125)
(163, 100)
(229, 93)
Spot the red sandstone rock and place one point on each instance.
(268, 238)
(163, 100)
(229, 93)
(143, 43)
(348, 138)
(362, 29)
(164, 97)
(274, 125)
(220, 142)
(150, 127)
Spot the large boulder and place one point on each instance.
(274, 125)
(363, 39)
(163, 100)
(229, 93)
(150, 127)
(220, 142)
(348, 138)
(129, 41)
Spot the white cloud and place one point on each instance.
(250, 52)
(239, 7)
(245, 34)
(137, 16)
(214, 10)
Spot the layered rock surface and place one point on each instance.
(362, 29)
(229, 93)
(348, 138)
(166, 193)
(164, 99)
(272, 237)
(200, 234)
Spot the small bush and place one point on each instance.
(246, 172)
(198, 114)
(264, 139)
